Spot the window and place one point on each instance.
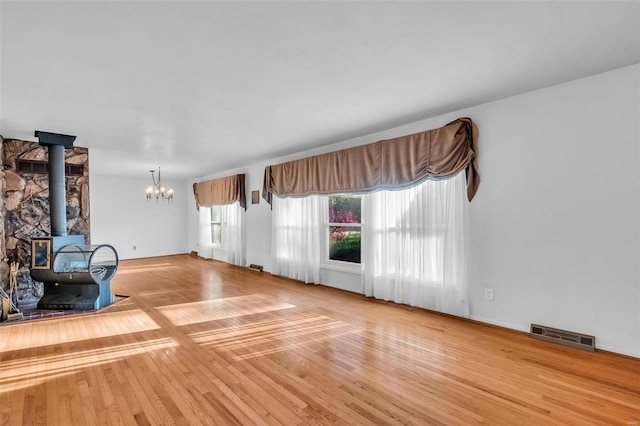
(415, 251)
(222, 233)
(216, 226)
(344, 228)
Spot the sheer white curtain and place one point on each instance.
(298, 234)
(205, 247)
(232, 241)
(414, 248)
(233, 233)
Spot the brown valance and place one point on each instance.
(387, 164)
(225, 190)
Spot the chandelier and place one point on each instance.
(158, 191)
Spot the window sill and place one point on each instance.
(353, 268)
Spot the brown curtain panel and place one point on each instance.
(225, 190)
(387, 164)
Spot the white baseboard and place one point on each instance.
(500, 324)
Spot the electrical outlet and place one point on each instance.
(488, 293)
(134, 247)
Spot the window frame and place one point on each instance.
(335, 264)
(214, 222)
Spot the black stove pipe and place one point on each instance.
(57, 189)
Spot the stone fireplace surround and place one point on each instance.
(24, 210)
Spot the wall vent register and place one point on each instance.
(563, 337)
(34, 166)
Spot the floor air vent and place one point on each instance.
(563, 337)
(254, 267)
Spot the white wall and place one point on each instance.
(121, 216)
(555, 225)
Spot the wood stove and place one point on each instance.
(75, 275)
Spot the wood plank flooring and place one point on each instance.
(202, 342)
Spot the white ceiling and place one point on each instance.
(206, 86)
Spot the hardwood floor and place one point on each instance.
(202, 342)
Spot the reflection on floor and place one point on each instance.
(40, 314)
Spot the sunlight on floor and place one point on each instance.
(147, 268)
(271, 336)
(23, 373)
(211, 310)
(82, 327)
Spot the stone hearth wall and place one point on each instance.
(24, 210)
(4, 265)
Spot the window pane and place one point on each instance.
(215, 213)
(344, 209)
(216, 231)
(344, 243)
